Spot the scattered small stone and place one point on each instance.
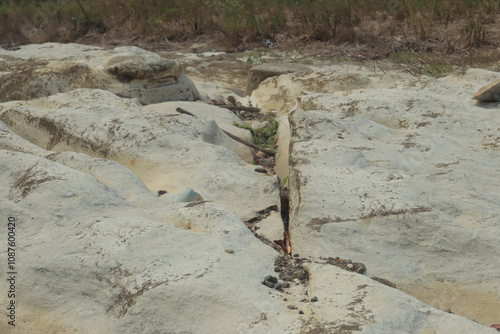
(271, 279)
(359, 267)
(269, 284)
(286, 285)
(295, 255)
(277, 286)
(261, 170)
(229, 250)
(303, 275)
(301, 312)
(161, 192)
(314, 299)
(291, 269)
(292, 307)
(277, 269)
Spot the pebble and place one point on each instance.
(269, 284)
(360, 268)
(229, 250)
(277, 286)
(301, 312)
(295, 255)
(277, 269)
(314, 299)
(302, 274)
(271, 279)
(286, 285)
(292, 307)
(350, 266)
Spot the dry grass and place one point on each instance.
(238, 21)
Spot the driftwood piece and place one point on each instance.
(238, 108)
(238, 139)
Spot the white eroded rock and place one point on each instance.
(279, 94)
(35, 71)
(123, 267)
(349, 302)
(259, 73)
(224, 118)
(117, 268)
(403, 178)
(167, 150)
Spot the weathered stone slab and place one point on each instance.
(259, 73)
(167, 150)
(123, 265)
(404, 179)
(488, 93)
(35, 71)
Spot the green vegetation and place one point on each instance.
(263, 137)
(283, 182)
(241, 21)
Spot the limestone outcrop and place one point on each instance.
(155, 142)
(99, 252)
(39, 71)
(404, 179)
(259, 73)
(129, 216)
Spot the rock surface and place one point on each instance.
(122, 266)
(99, 252)
(488, 93)
(403, 178)
(39, 71)
(259, 73)
(279, 94)
(167, 150)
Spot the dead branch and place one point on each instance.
(237, 108)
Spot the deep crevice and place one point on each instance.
(285, 215)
